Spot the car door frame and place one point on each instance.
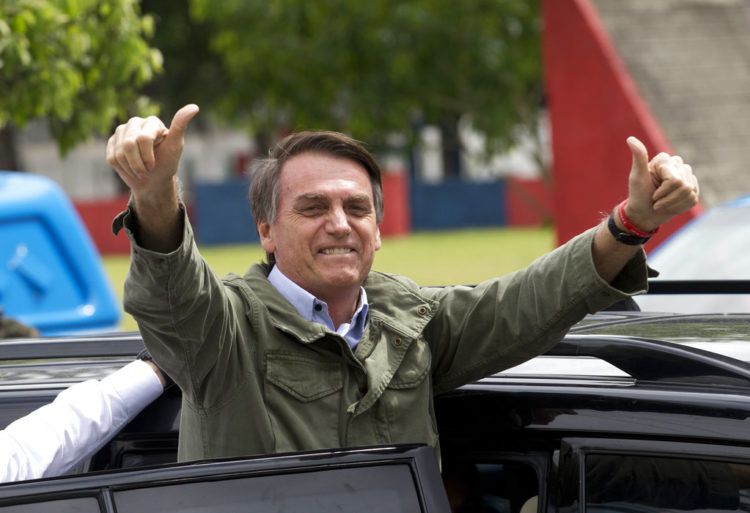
(570, 467)
(103, 486)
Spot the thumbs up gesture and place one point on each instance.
(658, 189)
(145, 153)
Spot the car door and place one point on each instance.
(386, 479)
(616, 475)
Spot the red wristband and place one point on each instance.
(628, 224)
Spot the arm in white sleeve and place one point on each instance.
(56, 437)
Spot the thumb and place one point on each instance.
(182, 119)
(640, 154)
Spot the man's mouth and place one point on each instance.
(336, 251)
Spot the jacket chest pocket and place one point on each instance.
(414, 367)
(305, 379)
(303, 397)
(408, 398)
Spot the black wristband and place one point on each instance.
(623, 236)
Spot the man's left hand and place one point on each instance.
(658, 189)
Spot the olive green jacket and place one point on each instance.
(258, 378)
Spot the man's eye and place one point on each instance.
(311, 210)
(359, 210)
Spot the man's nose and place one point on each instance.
(338, 222)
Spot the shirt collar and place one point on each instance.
(306, 304)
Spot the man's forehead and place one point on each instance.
(321, 161)
(315, 173)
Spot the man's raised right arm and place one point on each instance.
(182, 310)
(146, 155)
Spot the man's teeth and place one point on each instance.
(336, 251)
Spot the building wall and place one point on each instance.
(595, 105)
(211, 155)
(690, 60)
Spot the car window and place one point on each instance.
(494, 487)
(656, 484)
(77, 505)
(386, 489)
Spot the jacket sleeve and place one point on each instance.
(502, 322)
(187, 317)
(53, 439)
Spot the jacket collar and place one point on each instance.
(394, 303)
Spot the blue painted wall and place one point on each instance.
(221, 213)
(457, 204)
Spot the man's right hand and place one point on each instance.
(146, 154)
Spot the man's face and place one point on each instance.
(325, 234)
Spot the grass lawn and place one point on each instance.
(429, 258)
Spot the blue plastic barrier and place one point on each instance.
(51, 276)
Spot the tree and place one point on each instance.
(379, 67)
(79, 64)
(193, 73)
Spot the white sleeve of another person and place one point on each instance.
(55, 438)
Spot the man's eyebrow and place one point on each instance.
(310, 196)
(358, 198)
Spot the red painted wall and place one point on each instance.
(594, 106)
(97, 215)
(397, 217)
(528, 202)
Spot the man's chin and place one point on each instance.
(342, 278)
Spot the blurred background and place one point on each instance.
(486, 114)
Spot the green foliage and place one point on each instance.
(77, 63)
(377, 67)
(192, 72)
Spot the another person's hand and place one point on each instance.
(659, 189)
(145, 153)
(158, 372)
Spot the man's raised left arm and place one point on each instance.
(658, 190)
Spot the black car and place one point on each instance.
(633, 411)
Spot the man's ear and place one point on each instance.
(266, 240)
(377, 239)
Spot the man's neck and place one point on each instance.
(341, 309)
(342, 303)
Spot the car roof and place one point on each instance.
(602, 346)
(649, 347)
(58, 362)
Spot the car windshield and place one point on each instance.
(716, 246)
(724, 334)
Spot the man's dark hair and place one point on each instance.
(264, 187)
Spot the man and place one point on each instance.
(313, 349)
(57, 437)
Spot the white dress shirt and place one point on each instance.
(53, 439)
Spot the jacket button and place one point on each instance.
(422, 310)
(397, 341)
